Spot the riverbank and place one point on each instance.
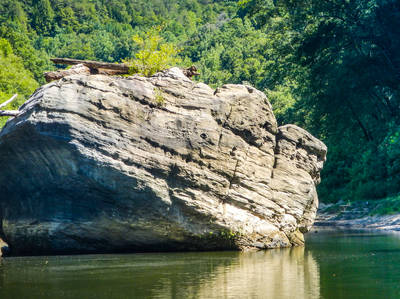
(360, 215)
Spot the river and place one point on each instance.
(336, 264)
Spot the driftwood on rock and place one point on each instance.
(9, 112)
(86, 67)
(93, 65)
(75, 70)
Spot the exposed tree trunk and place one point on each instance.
(95, 65)
(85, 67)
(9, 112)
(367, 135)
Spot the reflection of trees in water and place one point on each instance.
(285, 273)
(280, 273)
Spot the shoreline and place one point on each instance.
(376, 222)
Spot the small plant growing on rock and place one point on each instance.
(158, 97)
(154, 54)
(230, 235)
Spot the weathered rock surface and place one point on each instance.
(105, 164)
(3, 248)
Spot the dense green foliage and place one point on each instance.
(154, 54)
(332, 67)
(346, 67)
(14, 78)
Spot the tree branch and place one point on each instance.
(9, 101)
(9, 112)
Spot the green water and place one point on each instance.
(333, 265)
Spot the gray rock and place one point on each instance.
(4, 249)
(108, 164)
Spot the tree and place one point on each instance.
(154, 54)
(343, 58)
(14, 78)
(42, 17)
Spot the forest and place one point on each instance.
(331, 67)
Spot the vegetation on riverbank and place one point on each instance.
(330, 67)
(362, 208)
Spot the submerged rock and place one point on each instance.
(106, 164)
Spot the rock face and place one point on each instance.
(108, 164)
(3, 248)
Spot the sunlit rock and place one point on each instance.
(106, 164)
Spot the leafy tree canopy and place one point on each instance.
(14, 78)
(154, 54)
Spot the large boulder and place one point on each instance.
(109, 164)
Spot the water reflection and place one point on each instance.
(288, 273)
(338, 265)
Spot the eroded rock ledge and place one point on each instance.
(106, 164)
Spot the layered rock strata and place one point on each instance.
(106, 164)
